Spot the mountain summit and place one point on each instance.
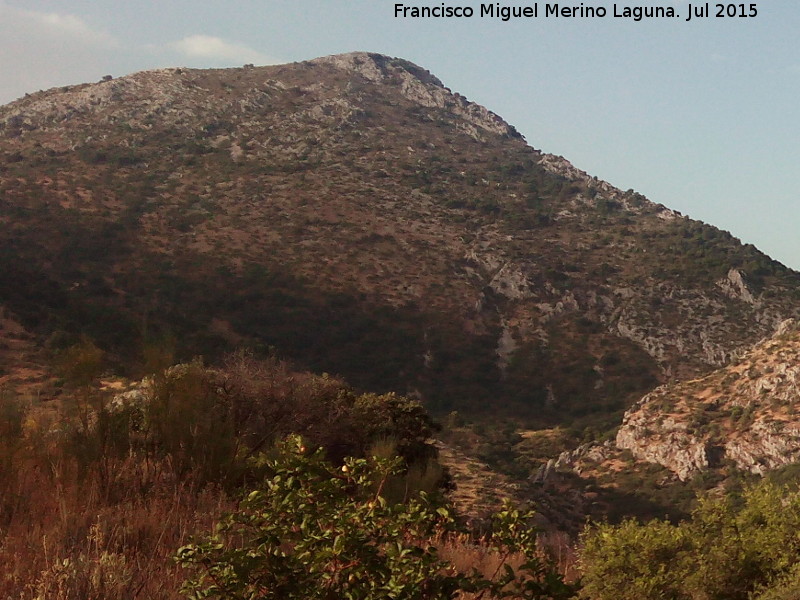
(357, 216)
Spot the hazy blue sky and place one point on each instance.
(701, 116)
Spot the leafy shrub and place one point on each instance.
(317, 531)
(785, 588)
(729, 548)
(632, 561)
(107, 578)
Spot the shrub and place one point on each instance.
(207, 421)
(109, 578)
(317, 531)
(81, 364)
(267, 401)
(729, 548)
(187, 420)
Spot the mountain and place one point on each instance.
(358, 217)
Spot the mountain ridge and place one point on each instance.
(352, 202)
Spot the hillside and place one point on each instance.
(360, 218)
(743, 415)
(721, 431)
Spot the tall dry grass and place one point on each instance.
(75, 526)
(68, 538)
(466, 553)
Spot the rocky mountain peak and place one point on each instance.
(378, 68)
(419, 86)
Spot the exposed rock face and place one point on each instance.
(576, 460)
(505, 347)
(767, 446)
(735, 287)
(747, 413)
(676, 449)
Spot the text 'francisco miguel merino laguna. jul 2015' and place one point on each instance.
(549, 10)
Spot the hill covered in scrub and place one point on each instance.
(362, 219)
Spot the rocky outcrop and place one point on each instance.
(735, 287)
(670, 445)
(576, 460)
(767, 445)
(419, 86)
(745, 414)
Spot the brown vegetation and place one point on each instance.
(72, 528)
(99, 489)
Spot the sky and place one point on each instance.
(701, 115)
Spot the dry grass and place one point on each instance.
(108, 531)
(85, 525)
(76, 532)
(67, 535)
(466, 553)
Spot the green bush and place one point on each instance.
(730, 547)
(316, 531)
(785, 588)
(634, 562)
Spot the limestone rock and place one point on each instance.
(745, 414)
